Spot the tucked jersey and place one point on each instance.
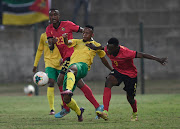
(64, 27)
(82, 53)
(51, 58)
(123, 62)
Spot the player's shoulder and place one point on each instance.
(95, 43)
(77, 40)
(43, 35)
(66, 22)
(123, 47)
(49, 26)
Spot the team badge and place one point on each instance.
(63, 29)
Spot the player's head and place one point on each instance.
(54, 15)
(112, 45)
(88, 32)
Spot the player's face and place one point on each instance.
(87, 34)
(54, 16)
(111, 49)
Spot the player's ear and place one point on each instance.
(92, 34)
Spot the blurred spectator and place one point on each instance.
(78, 4)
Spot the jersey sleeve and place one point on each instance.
(39, 50)
(130, 53)
(101, 53)
(73, 27)
(48, 32)
(73, 41)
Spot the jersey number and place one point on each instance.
(116, 63)
(60, 40)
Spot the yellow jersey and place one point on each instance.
(51, 58)
(82, 53)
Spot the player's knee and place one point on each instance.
(108, 84)
(73, 69)
(67, 99)
(51, 82)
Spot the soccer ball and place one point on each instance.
(29, 90)
(40, 78)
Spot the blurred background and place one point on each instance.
(151, 26)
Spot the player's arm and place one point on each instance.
(106, 63)
(38, 54)
(51, 39)
(92, 46)
(81, 29)
(66, 41)
(51, 42)
(163, 61)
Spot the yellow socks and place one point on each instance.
(73, 105)
(50, 96)
(70, 80)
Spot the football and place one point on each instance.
(29, 90)
(40, 78)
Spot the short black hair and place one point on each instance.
(89, 26)
(53, 9)
(113, 41)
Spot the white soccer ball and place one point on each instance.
(40, 78)
(29, 89)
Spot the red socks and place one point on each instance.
(134, 106)
(106, 98)
(64, 104)
(89, 95)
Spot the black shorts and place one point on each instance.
(65, 65)
(130, 83)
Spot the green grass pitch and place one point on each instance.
(155, 111)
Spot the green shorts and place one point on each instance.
(52, 72)
(82, 72)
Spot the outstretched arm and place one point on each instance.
(163, 61)
(92, 46)
(105, 62)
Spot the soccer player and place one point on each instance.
(80, 63)
(124, 71)
(55, 38)
(52, 67)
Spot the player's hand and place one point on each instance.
(163, 61)
(92, 46)
(34, 69)
(61, 61)
(54, 40)
(65, 35)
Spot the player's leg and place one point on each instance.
(74, 74)
(113, 79)
(87, 92)
(51, 72)
(68, 88)
(130, 88)
(65, 109)
(89, 95)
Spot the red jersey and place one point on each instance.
(64, 27)
(123, 62)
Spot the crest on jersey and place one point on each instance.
(63, 29)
